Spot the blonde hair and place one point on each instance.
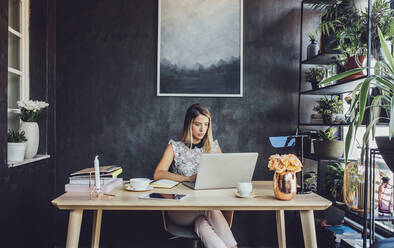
(187, 137)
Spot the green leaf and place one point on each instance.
(386, 51)
(371, 125)
(363, 100)
(374, 110)
(391, 124)
(383, 64)
(348, 140)
(341, 75)
(355, 98)
(385, 82)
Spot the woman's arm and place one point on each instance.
(161, 171)
(219, 150)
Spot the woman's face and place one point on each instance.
(200, 126)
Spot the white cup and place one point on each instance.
(244, 188)
(139, 183)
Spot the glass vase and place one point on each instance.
(385, 197)
(351, 184)
(285, 185)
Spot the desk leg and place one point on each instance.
(97, 214)
(74, 227)
(280, 228)
(308, 228)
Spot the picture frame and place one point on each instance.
(200, 48)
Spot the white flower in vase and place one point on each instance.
(29, 115)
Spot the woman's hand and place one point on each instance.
(192, 178)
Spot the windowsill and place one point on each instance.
(38, 157)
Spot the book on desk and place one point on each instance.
(79, 181)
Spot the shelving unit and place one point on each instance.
(338, 89)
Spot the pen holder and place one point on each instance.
(94, 192)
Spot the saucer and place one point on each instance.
(129, 188)
(252, 195)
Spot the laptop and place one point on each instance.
(224, 170)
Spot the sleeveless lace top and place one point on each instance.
(186, 160)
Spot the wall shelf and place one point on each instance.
(321, 124)
(335, 89)
(38, 157)
(322, 59)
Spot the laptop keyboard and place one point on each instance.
(190, 184)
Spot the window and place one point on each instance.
(18, 57)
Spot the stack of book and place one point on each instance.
(80, 180)
(316, 119)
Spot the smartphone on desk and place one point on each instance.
(163, 196)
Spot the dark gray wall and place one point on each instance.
(26, 214)
(107, 103)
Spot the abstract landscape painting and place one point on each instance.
(200, 48)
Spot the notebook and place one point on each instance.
(164, 183)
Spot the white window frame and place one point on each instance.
(24, 16)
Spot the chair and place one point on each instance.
(188, 232)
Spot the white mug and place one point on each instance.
(244, 188)
(139, 183)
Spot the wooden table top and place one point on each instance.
(223, 199)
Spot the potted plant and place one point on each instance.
(384, 81)
(327, 146)
(328, 108)
(335, 16)
(310, 181)
(312, 49)
(382, 18)
(314, 76)
(352, 42)
(16, 146)
(29, 115)
(334, 181)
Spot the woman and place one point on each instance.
(210, 226)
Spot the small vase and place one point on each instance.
(312, 50)
(285, 186)
(328, 119)
(33, 138)
(16, 152)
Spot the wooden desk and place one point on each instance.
(223, 199)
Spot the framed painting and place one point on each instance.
(200, 48)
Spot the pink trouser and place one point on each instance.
(210, 226)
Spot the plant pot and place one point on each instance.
(338, 196)
(312, 50)
(328, 148)
(328, 119)
(384, 144)
(32, 135)
(16, 152)
(353, 63)
(285, 186)
(315, 86)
